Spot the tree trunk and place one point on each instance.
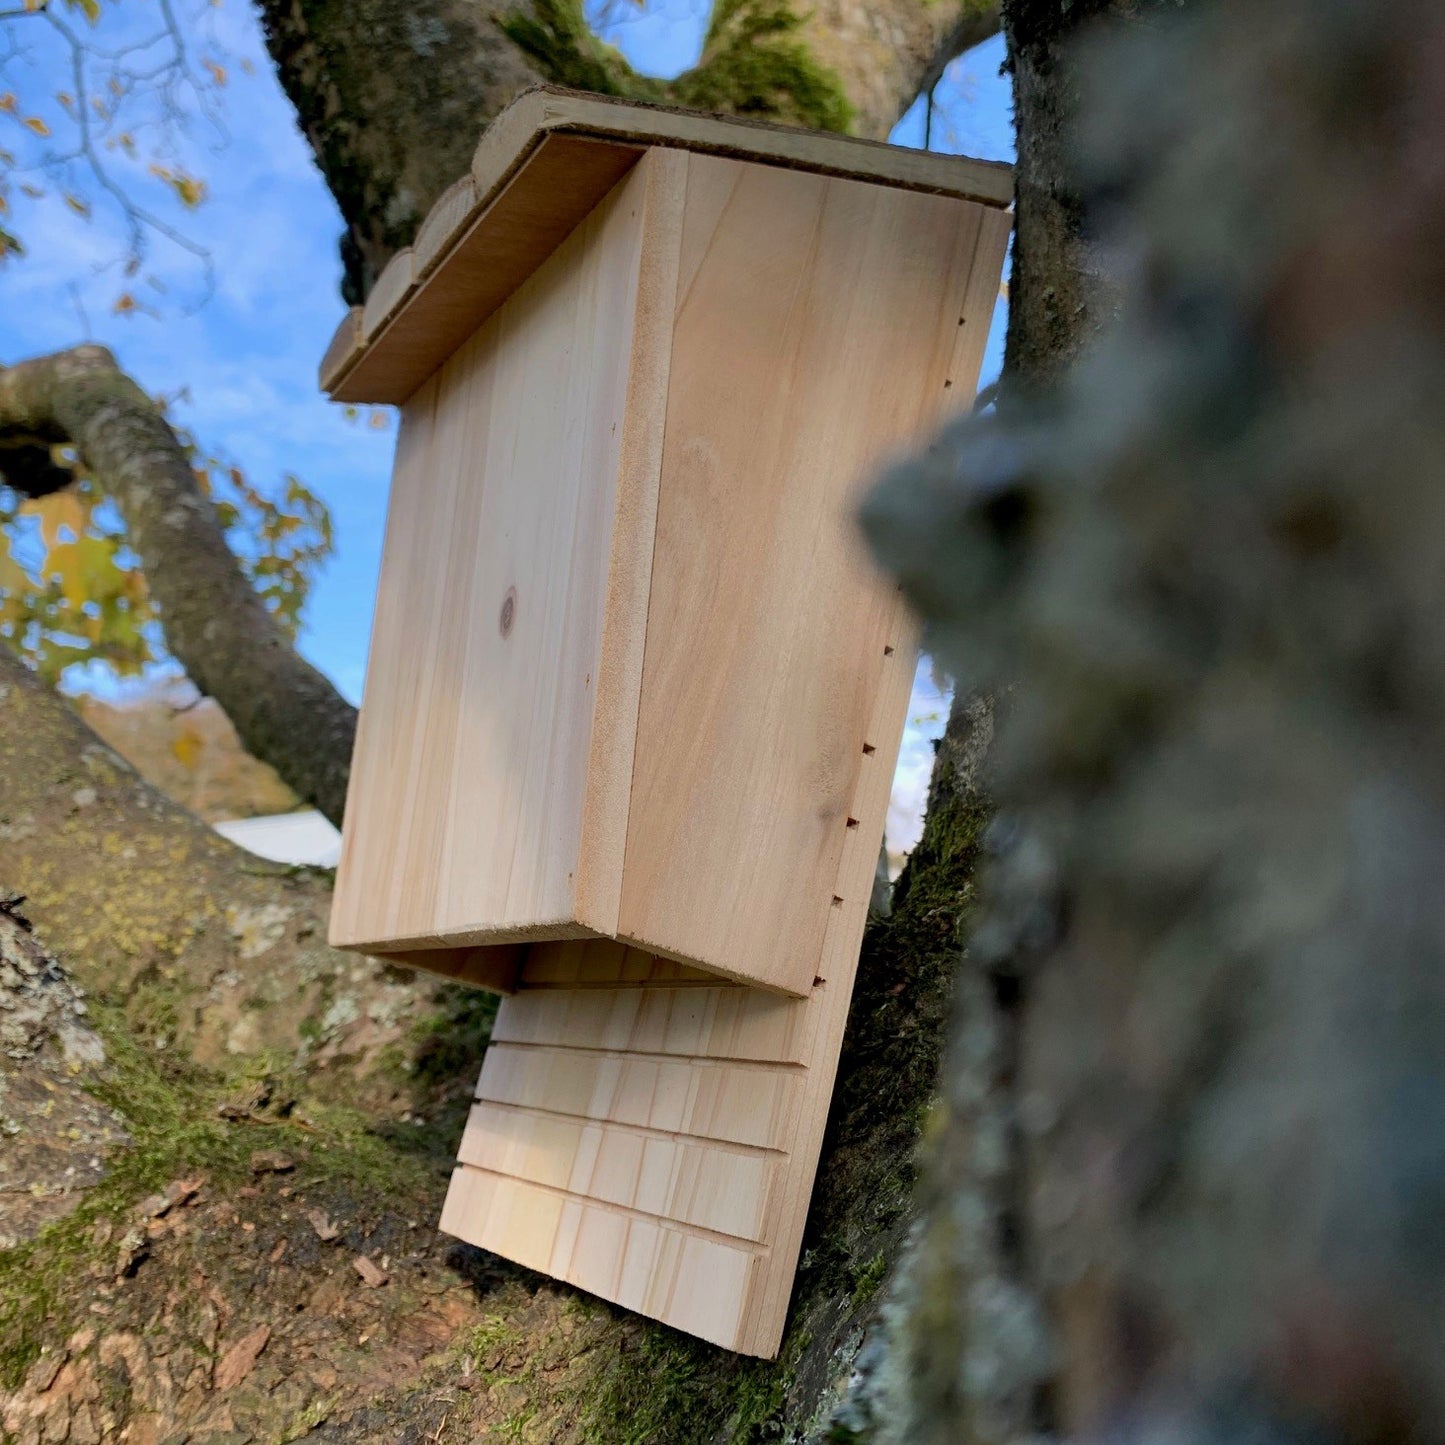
(392, 99)
(285, 711)
(1175, 1184)
(885, 55)
(217, 966)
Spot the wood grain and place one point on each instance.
(797, 366)
(539, 168)
(474, 750)
(674, 1183)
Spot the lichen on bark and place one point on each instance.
(1201, 555)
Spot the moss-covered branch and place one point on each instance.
(215, 624)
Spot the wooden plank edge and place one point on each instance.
(559, 1257)
(989, 183)
(442, 226)
(611, 760)
(766, 1309)
(494, 970)
(344, 350)
(395, 284)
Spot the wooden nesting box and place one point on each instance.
(635, 691)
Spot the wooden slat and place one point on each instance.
(345, 348)
(695, 1281)
(720, 1023)
(393, 286)
(719, 1187)
(737, 1103)
(436, 235)
(602, 963)
(530, 186)
(798, 366)
(502, 247)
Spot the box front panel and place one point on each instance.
(817, 330)
(469, 778)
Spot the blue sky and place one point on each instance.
(246, 354)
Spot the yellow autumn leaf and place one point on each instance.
(59, 510)
(78, 204)
(188, 746)
(124, 304)
(65, 98)
(34, 192)
(33, 122)
(218, 72)
(7, 102)
(190, 190)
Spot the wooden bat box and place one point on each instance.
(635, 690)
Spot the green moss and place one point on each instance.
(449, 1043)
(664, 1388)
(867, 1280)
(755, 62)
(556, 37)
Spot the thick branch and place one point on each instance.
(285, 711)
(886, 54)
(392, 99)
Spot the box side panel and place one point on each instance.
(816, 331)
(465, 815)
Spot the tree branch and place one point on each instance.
(885, 54)
(285, 711)
(392, 99)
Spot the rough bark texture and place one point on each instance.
(1210, 557)
(215, 990)
(1055, 304)
(285, 711)
(206, 949)
(884, 55)
(392, 99)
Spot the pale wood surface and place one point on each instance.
(454, 208)
(345, 348)
(651, 1135)
(471, 252)
(392, 287)
(466, 803)
(492, 254)
(816, 324)
(618, 678)
(654, 449)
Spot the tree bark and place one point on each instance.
(1175, 1101)
(885, 55)
(1058, 295)
(212, 953)
(285, 711)
(223, 959)
(392, 99)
